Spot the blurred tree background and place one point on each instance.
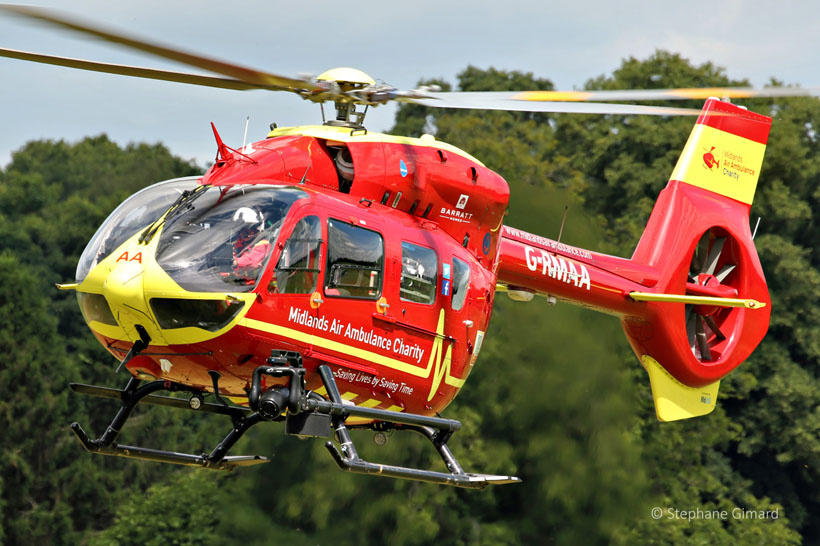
(557, 397)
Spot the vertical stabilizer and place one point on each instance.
(698, 238)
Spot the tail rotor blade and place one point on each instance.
(703, 344)
(700, 254)
(690, 327)
(710, 322)
(724, 272)
(714, 255)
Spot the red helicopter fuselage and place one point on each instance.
(396, 337)
(379, 256)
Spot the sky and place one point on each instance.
(395, 42)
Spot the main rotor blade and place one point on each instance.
(489, 100)
(688, 93)
(248, 75)
(135, 71)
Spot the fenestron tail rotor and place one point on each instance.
(710, 272)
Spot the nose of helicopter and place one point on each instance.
(125, 292)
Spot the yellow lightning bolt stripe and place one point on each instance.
(435, 359)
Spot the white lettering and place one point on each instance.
(558, 268)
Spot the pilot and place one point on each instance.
(249, 250)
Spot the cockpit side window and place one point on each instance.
(461, 281)
(222, 241)
(298, 267)
(419, 269)
(355, 261)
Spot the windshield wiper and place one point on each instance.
(187, 197)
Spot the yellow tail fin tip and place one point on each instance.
(673, 399)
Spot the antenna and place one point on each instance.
(564, 219)
(756, 226)
(245, 137)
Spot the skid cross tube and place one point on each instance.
(437, 430)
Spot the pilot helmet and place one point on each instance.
(249, 222)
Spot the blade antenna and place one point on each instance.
(563, 220)
(757, 224)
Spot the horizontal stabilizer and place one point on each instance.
(673, 399)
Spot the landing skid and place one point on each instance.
(134, 394)
(306, 414)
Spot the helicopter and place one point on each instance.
(332, 278)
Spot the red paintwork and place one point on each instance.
(738, 121)
(432, 186)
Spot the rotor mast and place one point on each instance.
(346, 86)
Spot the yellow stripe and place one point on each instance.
(395, 408)
(706, 92)
(321, 390)
(547, 96)
(372, 403)
(317, 341)
(349, 395)
(438, 364)
(343, 134)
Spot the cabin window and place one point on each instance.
(461, 281)
(419, 267)
(355, 261)
(298, 267)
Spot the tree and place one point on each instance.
(50, 205)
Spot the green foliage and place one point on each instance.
(53, 196)
(182, 511)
